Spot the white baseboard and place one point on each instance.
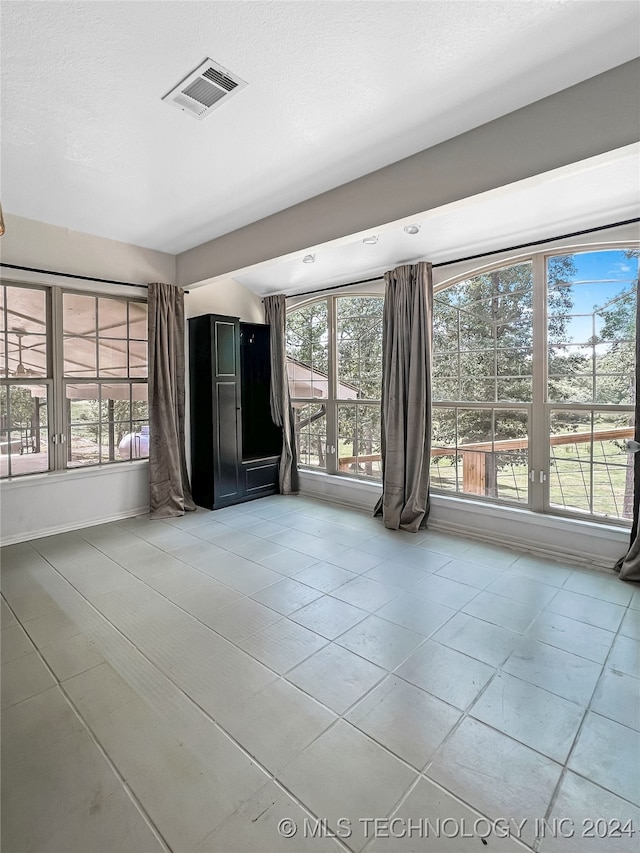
(71, 526)
(552, 537)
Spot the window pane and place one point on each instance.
(27, 355)
(140, 395)
(83, 427)
(138, 320)
(446, 464)
(359, 450)
(591, 326)
(482, 337)
(308, 351)
(23, 339)
(112, 318)
(116, 427)
(359, 347)
(311, 433)
(475, 443)
(115, 405)
(79, 315)
(612, 464)
(112, 355)
(26, 310)
(482, 452)
(138, 359)
(477, 389)
(25, 438)
(80, 357)
(445, 325)
(570, 460)
(446, 387)
(134, 444)
(510, 459)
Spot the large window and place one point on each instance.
(483, 354)
(334, 362)
(533, 383)
(591, 382)
(74, 379)
(514, 426)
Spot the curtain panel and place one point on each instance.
(629, 565)
(406, 397)
(169, 490)
(275, 311)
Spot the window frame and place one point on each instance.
(541, 408)
(56, 381)
(332, 401)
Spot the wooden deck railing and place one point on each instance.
(474, 455)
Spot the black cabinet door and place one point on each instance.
(260, 436)
(214, 366)
(226, 410)
(231, 460)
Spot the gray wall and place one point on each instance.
(597, 115)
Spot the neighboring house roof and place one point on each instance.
(305, 381)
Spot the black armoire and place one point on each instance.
(235, 446)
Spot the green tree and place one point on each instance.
(483, 352)
(359, 356)
(483, 338)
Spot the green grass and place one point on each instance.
(569, 480)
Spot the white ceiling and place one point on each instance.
(336, 90)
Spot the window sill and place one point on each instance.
(52, 477)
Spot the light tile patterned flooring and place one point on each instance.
(186, 685)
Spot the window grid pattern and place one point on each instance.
(588, 378)
(105, 367)
(25, 377)
(335, 383)
(482, 451)
(90, 382)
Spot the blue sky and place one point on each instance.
(606, 274)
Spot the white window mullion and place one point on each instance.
(332, 408)
(539, 421)
(58, 415)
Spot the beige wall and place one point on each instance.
(38, 244)
(224, 297)
(44, 504)
(597, 115)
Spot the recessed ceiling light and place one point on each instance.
(309, 259)
(411, 229)
(371, 241)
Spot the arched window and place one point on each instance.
(483, 368)
(532, 383)
(334, 362)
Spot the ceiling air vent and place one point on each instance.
(204, 89)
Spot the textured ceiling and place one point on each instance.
(336, 90)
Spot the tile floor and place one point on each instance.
(188, 685)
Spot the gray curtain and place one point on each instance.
(629, 565)
(406, 397)
(169, 490)
(275, 312)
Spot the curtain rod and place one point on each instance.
(480, 255)
(72, 275)
(81, 277)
